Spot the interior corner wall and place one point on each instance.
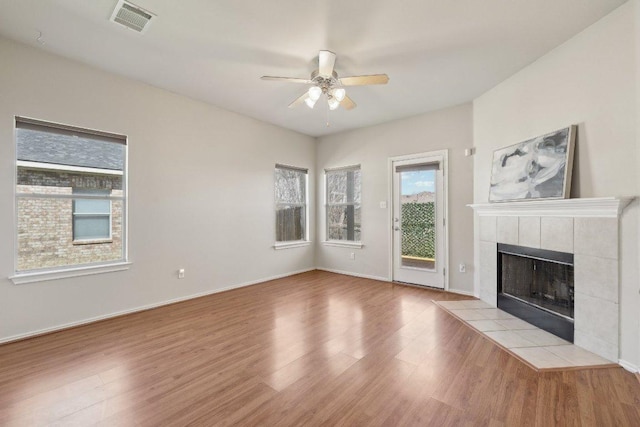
(371, 148)
(590, 81)
(637, 113)
(200, 192)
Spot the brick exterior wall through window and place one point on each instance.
(45, 226)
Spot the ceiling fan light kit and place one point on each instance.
(325, 81)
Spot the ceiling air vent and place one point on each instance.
(132, 16)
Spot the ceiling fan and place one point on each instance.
(325, 81)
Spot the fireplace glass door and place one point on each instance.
(545, 284)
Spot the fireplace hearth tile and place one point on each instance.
(522, 339)
(510, 339)
(486, 325)
(464, 304)
(542, 358)
(469, 314)
(516, 324)
(496, 314)
(541, 338)
(476, 304)
(577, 355)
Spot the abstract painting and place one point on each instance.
(539, 168)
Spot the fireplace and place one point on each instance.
(537, 286)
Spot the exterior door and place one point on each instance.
(419, 220)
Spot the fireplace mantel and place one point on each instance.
(600, 207)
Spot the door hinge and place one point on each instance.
(444, 222)
(444, 271)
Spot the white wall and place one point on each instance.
(200, 185)
(371, 148)
(589, 81)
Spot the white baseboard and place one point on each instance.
(628, 366)
(143, 308)
(461, 292)
(349, 273)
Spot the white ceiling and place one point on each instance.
(437, 53)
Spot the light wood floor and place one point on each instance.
(312, 349)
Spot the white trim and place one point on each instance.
(349, 273)
(143, 308)
(461, 292)
(601, 207)
(57, 167)
(628, 366)
(342, 244)
(42, 276)
(444, 154)
(289, 245)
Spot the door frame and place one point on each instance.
(445, 196)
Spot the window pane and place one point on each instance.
(290, 186)
(290, 223)
(42, 181)
(343, 186)
(343, 223)
(80, 150)
(336, 187)
(91, 227)
(343, 189)
(90, 206)
(45, 235)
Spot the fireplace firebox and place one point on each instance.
(536, 285)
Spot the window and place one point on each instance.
(91, 217)
(291, 204)
(70, 198)
(343, 204)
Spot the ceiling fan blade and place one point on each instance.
(287, 79)
(326, 61)
(375, 79)
(299, 100)
(347, 103)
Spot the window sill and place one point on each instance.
(341, 244)
(91, 242)
(41, 276)
(290, 245)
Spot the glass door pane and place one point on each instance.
(418, 218)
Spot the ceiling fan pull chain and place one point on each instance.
(328, 125)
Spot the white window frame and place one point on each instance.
(54, 273)
(327, 205)
(305, 240)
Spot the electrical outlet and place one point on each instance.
(462, 268)
(352, 255)
(181, 273)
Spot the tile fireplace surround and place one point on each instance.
(587, 228)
